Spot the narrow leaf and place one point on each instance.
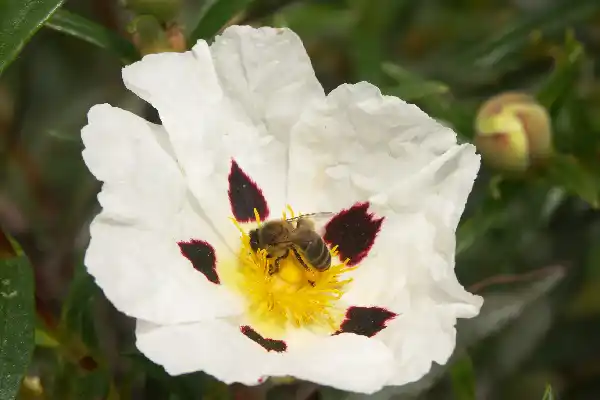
(91, 32)
(17, 319)
(19, 20)
(567, 172)
(548, 393)
(78, 308)
(514, 36)
(562, 80)
(463, 379)
(412, 86)
(215, 17)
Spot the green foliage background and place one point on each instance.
(530, 245)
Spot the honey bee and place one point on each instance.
(296, 235)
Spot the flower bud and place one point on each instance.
(149, 36)
(513, 132)
(163, 10)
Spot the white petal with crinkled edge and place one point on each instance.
(347, 361)
(133, 252)
(215, 347)
(268, 72)
(357, 146)
(123, 151)
(208, 125)
(417, 339)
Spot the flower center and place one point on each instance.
(289, 294)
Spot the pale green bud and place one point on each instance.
(149, 36)
(513, 132)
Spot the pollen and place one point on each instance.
(293, 296)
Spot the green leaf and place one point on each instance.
(17, 319)
(490, 58)
(548, 393)
(463, 379)
(73, 383)
(371, 33)
(215, 16)
(19, 20)
(566, 171)
(78, 308)
(91, 32)
(562, 80)
(43, 339)
(412, 86)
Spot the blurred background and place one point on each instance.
(517, 78)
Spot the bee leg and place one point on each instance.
(273, 268)
(299, 258)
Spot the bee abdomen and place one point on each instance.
(317, 254)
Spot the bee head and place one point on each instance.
(254, 240)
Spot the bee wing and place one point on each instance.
(313, 216)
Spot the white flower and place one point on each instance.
(247, 131)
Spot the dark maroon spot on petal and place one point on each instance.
(353, 231)
(366, 321)
(202, 256)
(245, 196)
(269, 344)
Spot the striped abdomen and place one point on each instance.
(315, 252)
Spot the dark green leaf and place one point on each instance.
(562, 81)
(567, 172)
(73, 383)
(17, 319)
(463, 379)
(489, 214)
(19, 20)
(373, 23)
(488, 59)
(264, 8)
(215, 16)
(78, 309)
(91, 32)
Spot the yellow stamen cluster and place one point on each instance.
(293, 295)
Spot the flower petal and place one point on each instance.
(269, 73)
(234, 113)
(358, 145)
(418, 339)
(145, 275)
(134, 253)
(346, 361)
(123, 151)
(215, 347)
